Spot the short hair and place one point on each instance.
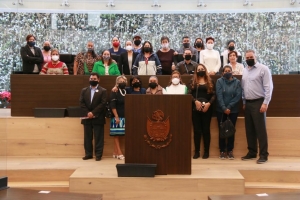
(227, 66)
(164, 38)
(119, 77)
(53, 50)
(250, 50)
(229, 41)
(95, 74)
(188, 50)
(185, 37)
(135, 77)
(210, 38)
(29, 36)
(233, 52)
(153, 77)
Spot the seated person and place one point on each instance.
(154, 88)
(135, 86)
(187, 66)
(176, 86)
(55, 67)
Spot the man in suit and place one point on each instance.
(93, 103)
(32, 56)
(127, 59)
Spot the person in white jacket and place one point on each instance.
(210, 57)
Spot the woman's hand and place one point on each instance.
(115, 89)
(117, 120)
(206, 107)
(227, 111)
(198, 105)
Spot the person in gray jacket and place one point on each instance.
(229, 93)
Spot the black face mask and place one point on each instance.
(90, 50)
(31, 44)
(250, 62)
(188, 57)
(46, 48)
(93, 83)
(147, 49)
(122, 85)
(137, 42)
(199, 44)
(186, 45)
(227, 75)
(152, 85)
(231, 48)
(201, 73)
(136, 85)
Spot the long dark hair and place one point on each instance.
(203, 46)
(207, 79)
(135, 77)
(142, 49)
(110, 59)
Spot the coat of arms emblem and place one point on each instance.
(158, 130)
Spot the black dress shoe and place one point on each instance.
(196, 155)
(98, 158)
(205, 155)
(262, 160)
(248, 157)
(87, 157)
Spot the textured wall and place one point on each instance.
(274, 35)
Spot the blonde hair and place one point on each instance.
(119, 77)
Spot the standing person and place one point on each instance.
(93, 103)
(237, 68)
(203, 92)
(199, 46)
(127, 59)
(186, 44)
(116, 48)
(187, 66)
(137, 44)
(165, 55)
(230, 47)
(154, 87)
(147, 62)
(106, 66)
(210, 57)
(117, 123)
(32, 56)
(84, 61)
(46, 52)
(55, 67)
(257, 88)
(229, 93)
(175, 86)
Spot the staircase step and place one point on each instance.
(270, 187)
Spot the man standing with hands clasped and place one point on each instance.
(257, 88)
(93, 103)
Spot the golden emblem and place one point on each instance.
(158, 130)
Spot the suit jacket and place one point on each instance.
(29, 59)
(123, 62)
(97, 106)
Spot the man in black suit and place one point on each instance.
(32, 57)
(93, 103)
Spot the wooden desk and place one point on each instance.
(20, 194)
(278, 196)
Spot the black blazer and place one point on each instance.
(29, 59)
(97, 107)
(123, 62)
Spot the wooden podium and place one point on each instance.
(158, 131)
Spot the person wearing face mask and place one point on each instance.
(32, 57)
(147, 62)
(187, 66)
(257, 88)
(84, 61)
(106, 66)
(46, 52)
(137, 44)
(210, 57)
(55, 67)
(117, 123)
(175, 86)
(154, 87)
(186, 45)
(165, 55)
(116, 48)
(230, 47)
(229, 94)
(199, 46)
(93, 105)
(135, 86)
(127, 59)
(202, 89)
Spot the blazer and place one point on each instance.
(29, 59)
(97, 106)
(123, 62)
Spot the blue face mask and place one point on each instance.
(227, 75)
(31, 44)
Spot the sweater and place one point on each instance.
(100, 68)
(211, 59)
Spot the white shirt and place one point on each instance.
(175, 89)
(130, 62)
(238, 69)
(225, 56)
(35, 69)
(106, 69)
(211, 59)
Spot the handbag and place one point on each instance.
(108, 113)
(227, 128)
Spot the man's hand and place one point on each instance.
(90, 115)
(263, 108)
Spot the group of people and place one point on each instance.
(136, 58)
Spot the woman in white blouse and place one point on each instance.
(210, 57)
(230, 47)
(176, 86)
(237, 68)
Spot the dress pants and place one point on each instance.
(230, 141)
(98, 131)
(201, 124)
(255, 123)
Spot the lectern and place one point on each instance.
(158, 131)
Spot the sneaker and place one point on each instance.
(196, 155)
(222, 155)
(262, 160)
(248, 157)
(230, 155)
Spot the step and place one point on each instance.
(272, 176)
(270, 187)
(57, 186)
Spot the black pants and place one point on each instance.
(98, 132)
(255, 123)
(230, 141)
(201, 124)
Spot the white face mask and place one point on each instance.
(210, 46)
(165, 45)
(128, 48)
(175, 81)
(55, 58)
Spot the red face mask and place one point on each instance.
(116, 44)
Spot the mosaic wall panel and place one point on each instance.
(274, 35)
